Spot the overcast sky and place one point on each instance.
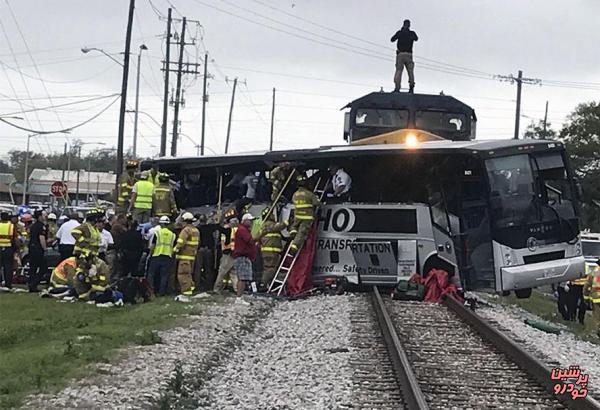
(317, 54)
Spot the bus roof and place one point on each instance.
(483, 148)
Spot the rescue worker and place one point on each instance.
(576, 305)
(62, 280)
(271, 246)
(141, 199)
(52, 229)
(126, 183)
(305, 202)
(226, 268)
(163, 199)
(91, 279)
(8, 248)
(185, 249)
(87, 237)
(161, 249)
(591, 293)
(278, 176)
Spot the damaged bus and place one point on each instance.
(499, 216)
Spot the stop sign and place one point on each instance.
(58, 189)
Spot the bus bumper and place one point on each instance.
(542, 273)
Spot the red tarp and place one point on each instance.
(300, 277)
(437, 286)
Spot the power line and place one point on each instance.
(50, 107)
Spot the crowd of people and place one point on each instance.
(148, 241)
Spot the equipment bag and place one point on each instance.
(407, 290)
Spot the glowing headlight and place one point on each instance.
(411, 141)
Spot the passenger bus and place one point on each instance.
(499, 216)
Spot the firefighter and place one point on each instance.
(591, 293)
(126, 183)
(62, 280)
(91, 279)
(52, 229)
(8, 248)
(87, 236)
(279, 175)
(141, 199)
(163, 200)
(576, 305)
(305, 202)
(226, 268)
(185, 249)
(271, 246)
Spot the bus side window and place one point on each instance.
(438, 208)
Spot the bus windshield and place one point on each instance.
(532, 195)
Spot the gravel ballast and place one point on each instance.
(564, 349)
(141, 375)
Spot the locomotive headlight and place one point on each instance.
(578, 248)
(411, 141)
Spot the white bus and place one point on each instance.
(499, 215)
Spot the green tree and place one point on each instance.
(536, 131)
(4, 167)
(581, 136)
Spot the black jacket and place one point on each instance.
(405, 40)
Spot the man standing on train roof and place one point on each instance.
(405, 38)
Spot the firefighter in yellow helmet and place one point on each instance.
(305, 203)
(126, 183)
(278, 177)
(185, 250)
(163, 200)
(92, 277)
(141, 199)
(87, 237)
(271, 245)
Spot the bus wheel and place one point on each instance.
(435, 262)
(523, 293)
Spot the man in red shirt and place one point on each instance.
(244, 253)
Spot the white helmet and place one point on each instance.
(164, 220)
(52, 216)
(187, 216)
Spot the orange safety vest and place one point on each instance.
(7, 231)
(228, 246)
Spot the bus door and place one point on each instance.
(475, 239)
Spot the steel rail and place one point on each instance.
(412, 394)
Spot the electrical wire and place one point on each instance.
(50, 107)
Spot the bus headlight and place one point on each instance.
(507, 259)
(578, 248)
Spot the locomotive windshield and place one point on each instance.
(436, 121)
(395, 119)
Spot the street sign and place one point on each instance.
(58, 189)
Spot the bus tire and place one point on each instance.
(435, 262)
(523, 293)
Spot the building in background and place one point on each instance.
(92, 185)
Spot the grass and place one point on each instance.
(544, 305)
(44, 344)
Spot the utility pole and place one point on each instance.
(121, 135)
(272, 121)
(178, 91)
(137, 100)
(546, 120)
(26, 172)
(519, 80)
(204, 101)
(64, 164)
(230, 115)
(163, 135)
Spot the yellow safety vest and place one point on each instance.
(6, 234)
(228, 246)
(164, 242)
(595, 289)
(143, 199)
(161, 200)
(87, 239)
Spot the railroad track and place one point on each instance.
(447, 357)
